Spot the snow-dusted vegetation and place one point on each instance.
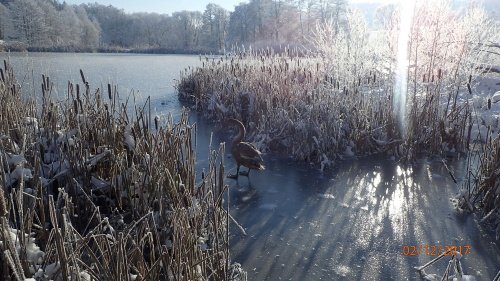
(88, 191)
(53, 25)
(337, 100)
(93, 187)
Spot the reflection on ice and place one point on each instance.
(353, 227)
(352, 223)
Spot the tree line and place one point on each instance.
(52, 25)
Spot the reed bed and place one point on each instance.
(291, 104)
(487, 190)
(480, 192)
(338, 100)
(446, 65)
(91, 190)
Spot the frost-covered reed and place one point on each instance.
(90, 190)
(292, 105)
(337, 101)
(480, 192)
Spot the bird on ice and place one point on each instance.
(244, 153)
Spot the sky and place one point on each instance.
(170, 6)
(161, 6)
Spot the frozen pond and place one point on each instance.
(350, 223)
(140, 74)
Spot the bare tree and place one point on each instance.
(215, 20)
(28, 21)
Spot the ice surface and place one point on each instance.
(326, 195)
(268, 207)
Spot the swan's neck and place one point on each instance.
(241, 133)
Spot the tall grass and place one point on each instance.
(337, 101)
(294, 104)
(446, 62)
(320, 106)
(480, 191)
(90, 190)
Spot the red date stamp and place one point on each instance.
(435, 250)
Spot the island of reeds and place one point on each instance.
(335, 101)
(92, 190)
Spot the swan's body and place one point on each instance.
(244, 153)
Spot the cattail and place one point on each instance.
(83, 77)
(43, 90)
(489, 103)
(75, 106)
(98, 99)
(470, 78)
(78, 91)
(109, 91)
(432, 80)
(1, 75)
(439, 73)
(157, 120)
(134, 134)
(423, 79)
(468, 88)
(3, 203)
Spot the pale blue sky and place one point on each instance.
(169, 6)
(161, 6)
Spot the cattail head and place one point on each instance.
(109, 91)
(157, 119)
(83, 77)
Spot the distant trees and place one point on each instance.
(46, 24)
(274, 22)
(4, 21)
(50, 24)
(214, 30)
(27, 18)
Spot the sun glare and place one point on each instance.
(400, 90)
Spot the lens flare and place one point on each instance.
(401, 75)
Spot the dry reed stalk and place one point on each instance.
(121, 198)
